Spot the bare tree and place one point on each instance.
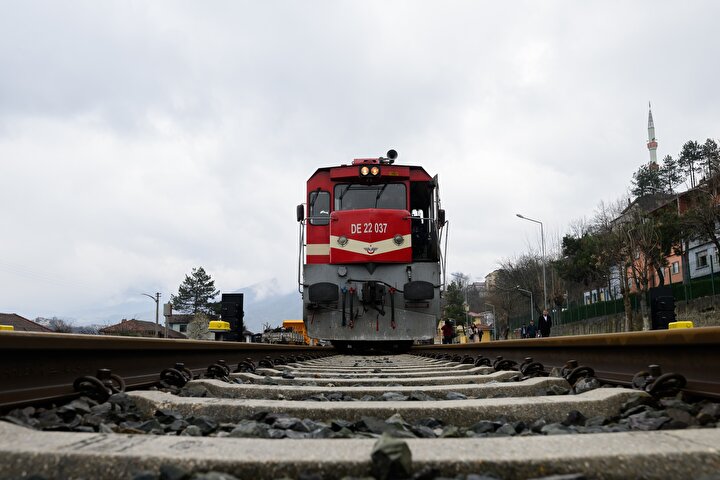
(60, 326)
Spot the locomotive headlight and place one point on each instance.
(342, 240)
(375, 171)
(364, 171)
(398, 239)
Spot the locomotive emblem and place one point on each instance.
(370, 249)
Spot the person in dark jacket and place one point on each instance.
(545, 324)
(448, 332)
(531, 330)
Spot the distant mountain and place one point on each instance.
(264, 302)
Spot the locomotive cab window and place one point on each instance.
(424, 237)
(319, 208)
(389, 196)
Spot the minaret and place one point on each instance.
(652, 142)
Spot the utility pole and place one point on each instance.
(156, 299)
(542, 239)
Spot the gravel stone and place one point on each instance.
(214, 476)
(586, 384)
(451, 431)
(317, 398)
(123, 401)
(79, 405)
(430, 422)
(322, 432)
(712, 409)
(287, 423)
(506, 429)
(676, 404)
(173, 472)
(636, 400)
(372, 424)
(596, 421)
(574, 418)
(206, 424)
(194, 390)
(422, 431)
(250, 428)
(681, 416)
(393, 397)
(398, 421)
(391, 458)
(145, 476)
(338, 425)
(105, 428)
(641, 421)
(455, 396)
(483, 426)
(150, 425)
(296, 435)
(192, 431)
(557, 390)
(555, 429)
(421, 397)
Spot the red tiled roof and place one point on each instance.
(21, 324)
(180, 318)
(138, 328)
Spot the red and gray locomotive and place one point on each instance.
(370, 254)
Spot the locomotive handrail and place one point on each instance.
(443, 257)
(301, 255)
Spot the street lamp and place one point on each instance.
(155, 299)
(542, 238)
(494, 321)
(531, 301)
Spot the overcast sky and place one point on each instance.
(141, 139)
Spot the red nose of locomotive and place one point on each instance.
(370, 235)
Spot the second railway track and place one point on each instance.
(404, 416)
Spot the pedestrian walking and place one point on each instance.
(545, 324)
(448, 332)
(473, 333)
(531, 330)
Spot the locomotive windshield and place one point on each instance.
(389, 196)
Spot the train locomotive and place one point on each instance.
(371, 267)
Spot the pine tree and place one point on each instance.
(454, 308)
(647, 180)
(690, 160)
(196, 293)
(710, 157)
(670, 174)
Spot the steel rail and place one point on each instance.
(41, 367)
(616, 358)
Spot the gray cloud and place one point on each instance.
(140, 140)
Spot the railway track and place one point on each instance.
(439, 412)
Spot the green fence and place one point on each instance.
(697, 288)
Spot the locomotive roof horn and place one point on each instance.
(390, 159)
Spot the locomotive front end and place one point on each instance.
(372, 269)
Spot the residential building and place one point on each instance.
(138, 328)
(21, 324)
